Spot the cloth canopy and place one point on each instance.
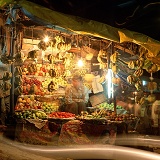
(83, 26)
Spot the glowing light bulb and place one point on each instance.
(46, 39)
(80, 63)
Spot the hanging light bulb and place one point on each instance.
(46, 39)
(80, 63)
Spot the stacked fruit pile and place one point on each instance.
(49, 107)
(29, 102)
(61, 115)
(107, 116)
(108, 106)
(32, 86)
(30, 114)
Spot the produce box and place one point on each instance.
(97, 99)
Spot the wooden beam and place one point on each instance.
(124, 49)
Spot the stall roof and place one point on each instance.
(81, 25)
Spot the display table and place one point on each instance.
(40, 132)
(45, 132)
(78, 132)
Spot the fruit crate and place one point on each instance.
(44, 98)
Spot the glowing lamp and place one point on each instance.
(109, 77)
(80, 63)
(46, 39)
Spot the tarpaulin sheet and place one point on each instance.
(85, 26)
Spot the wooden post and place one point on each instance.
(12, 44)
(114, 102)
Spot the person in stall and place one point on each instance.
(155, 116)
(76, 96)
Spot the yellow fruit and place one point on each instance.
(28, 100)
(20, 100)
(23, 101)
(151, 98)
(32, 97)
(131, 65)
(138, 72)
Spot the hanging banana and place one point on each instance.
(138, 72)
(139, 62)
(131, 64)
(114, 57)
(131, 79)
(6, 76)
(138, 85)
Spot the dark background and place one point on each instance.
(142, 16)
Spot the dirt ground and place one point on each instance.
(10, 152)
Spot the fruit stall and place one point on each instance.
(41, 60)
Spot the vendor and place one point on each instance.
(155, 116)
(75, 96)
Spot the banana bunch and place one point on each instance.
(6, 76)
(63, 47)
(152, 68)
(138, 85)
(43, 45)
(102, 53)
(52, 72)
(46, 82)
(132, 64)
(103, 56)
(18, 80)
(142, 100)
(139, 62)
(33, 89)
(59, 39)
(114, 57)
(131, 79)
(60, 81)
(114, 68)
(18, 70)
(138, 72)
(51, 58)
(18, 90)
(102, 59)
(19, 57)
(67, 73)
(32, 54)
(152, 86)
(7, 86)
(32, 68)
(7, 59)
(69, 62)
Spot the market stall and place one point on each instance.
(42, 60)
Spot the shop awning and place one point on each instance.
(83, 26)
